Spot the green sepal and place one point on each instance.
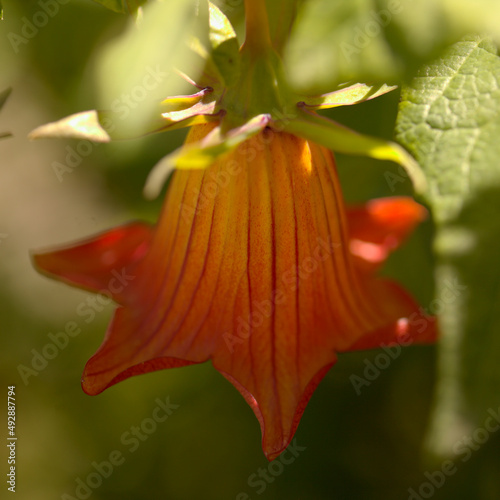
(202, 154)
(220, 52)
(183, 102)
(332, 135)
(105, 126)
(85, 125)
(354, 94)
(224, 44)
(210, 76)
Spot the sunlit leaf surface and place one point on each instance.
(136, 69)
(450, 119)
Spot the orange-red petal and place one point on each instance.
(249, 266)
(94, 264)
(378, 227)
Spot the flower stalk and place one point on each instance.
(257, 38)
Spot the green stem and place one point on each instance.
(257, 39)
(281, 17)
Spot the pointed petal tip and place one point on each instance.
(89, 389)
(277, 429)
(273, 450)
(94, 264)
(46, 263)
(274, 454)
(406, 332)
(95, 381)
(409, 325)
(401, 211)
(37, 260)
(117, 360)
(380, 226)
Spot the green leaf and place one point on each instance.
(1, 12)
(122, 6)
(224, 45)
(219, 51)
(136, 70)
(449, 119)
(85, 125)
(362, 40)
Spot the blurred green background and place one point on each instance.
(364, 446)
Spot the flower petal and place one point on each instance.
(220, 282)
(379, 227)
(410, 325)
(249, 266)
(94, 263)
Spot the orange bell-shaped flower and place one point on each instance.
(252, 265)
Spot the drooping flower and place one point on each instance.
(255, 263)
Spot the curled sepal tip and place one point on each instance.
(354, 94)
(84, 125)
(336, 137)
